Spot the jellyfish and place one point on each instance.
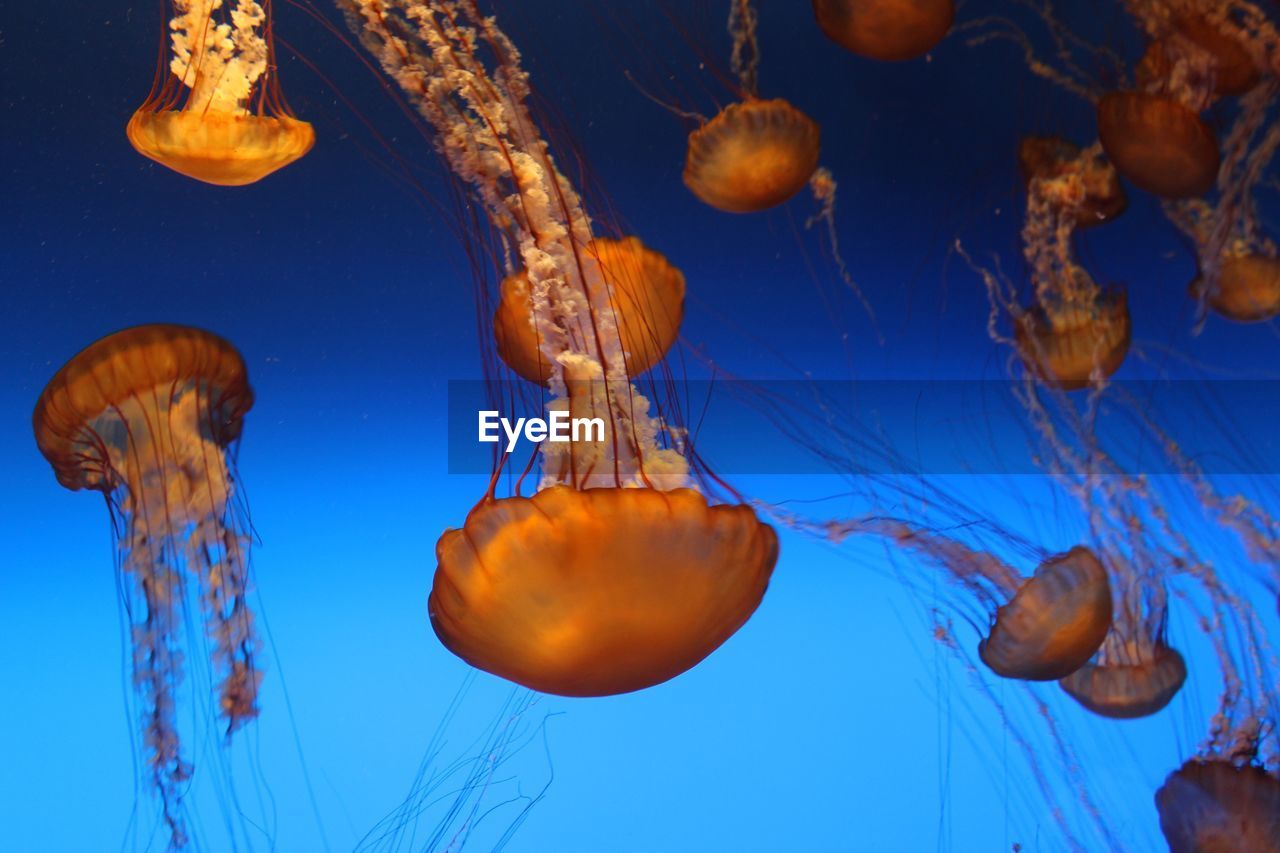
(645, 296)
(1239, 274)
(1209, 806)
(1136, 673)
(1075, 333)
(1050, 157)
(618, 573)
(887, 30)
(1198, 52)
(148, 416)
(215, 112)
(753, 154)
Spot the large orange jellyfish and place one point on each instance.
(888, 30)
(618, 574)
(147, 416)
(215, 111)
(754, 154)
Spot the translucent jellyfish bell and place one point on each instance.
(1217, 807)
(1055, 621)
(599, 591)
(1158, 143)
(888, 30)
(1234, 71)
(752, 156)
(1128, 691)
(1073, 344)
(216, 113)
(1246, 290)
(645, 298)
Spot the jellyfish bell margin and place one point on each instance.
(1072, 346)
(597, 592)
(1128, 691)
(1159, 144)
(215, 112)
(1246, 288)
(1215, 806)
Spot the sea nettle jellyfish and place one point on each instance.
(215, 111)
(754, 154)
(1239, 273)
(618, 573)
(888, 30)
(149, 417)
(1051, 157)
(1198, 51)
(1215, 805)
(1075, 333)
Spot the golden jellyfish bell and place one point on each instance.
(1128, 691)
(1049, 157)
(888, 30)
(1055, 621)
(1158, 143)
(600, 591)
(1248, 288)
(1216, 807)
(1069, 346)
(645, 298)
(226, 149)
(215, 112)
(130, 365)
(751, 156)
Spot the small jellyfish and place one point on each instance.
(1159, 143)
(216, 113)
(1125, 691)
(1247, 288)
(1048, 157)
(1073, 343)
(1055, 621)
(888, 30)
(645, 296)
(147, 416)
(752, 156)
(1215, 806)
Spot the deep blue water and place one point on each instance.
(832, 721)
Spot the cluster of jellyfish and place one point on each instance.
(568, 590)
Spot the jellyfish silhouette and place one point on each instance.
(888, 30)
(1051, 157)
(147, 416)
(617, 574)
(215, 111)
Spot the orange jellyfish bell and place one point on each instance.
(1234, 71)
(1128, 691)
(751, 156)
(645, 297)
(1055, 621)
(599, 591)
(1216, 807)
(1247, 289)
(1158, 143)
(216, 113)
(888, 30)
(1068, 346)
(1051, 156)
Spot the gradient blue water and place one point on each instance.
(831, 722)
